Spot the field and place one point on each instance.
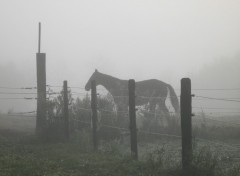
(21, 154)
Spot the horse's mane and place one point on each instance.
(110, 77)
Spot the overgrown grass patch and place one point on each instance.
(24, 155)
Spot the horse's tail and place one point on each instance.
(173, 98)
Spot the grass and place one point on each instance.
(30, 157)
(21, 154)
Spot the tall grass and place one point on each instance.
(26, 156)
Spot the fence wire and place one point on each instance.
(81, 91)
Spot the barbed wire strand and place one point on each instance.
(25, 98)
(212, 98)
(194, 107)
(220, 121)
(18, 88)
(214, 89)
(86, 109)
(219, 112)
(18, 115)
(17, 93)
(114, 127)
(104, 110)
(171, 112)
(29, 112)
(145, 97)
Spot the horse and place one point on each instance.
(152, 92)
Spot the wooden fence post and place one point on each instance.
(94, 114)
(186, 125)
(66, 114)
(41, 121)
(132, 116)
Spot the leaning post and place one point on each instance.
(94, 114)
(186, 125)
(132, 116)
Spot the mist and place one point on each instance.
(165, 40)
(144, 127)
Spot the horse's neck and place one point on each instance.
(113, 85)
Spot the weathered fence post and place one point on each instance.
(132, 116)
(94, 114)
(186, 125)
(66, 114)
(41, 121)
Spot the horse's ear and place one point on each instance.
(96, 70)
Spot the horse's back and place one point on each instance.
(151, 84)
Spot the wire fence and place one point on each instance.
(80, 92)
(235, 147)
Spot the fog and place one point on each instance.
(160, 39)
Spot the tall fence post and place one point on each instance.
(94, 114)
(41, 121)
(186, 125)
(132, 116)
(66, 114)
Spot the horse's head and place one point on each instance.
(93, 77)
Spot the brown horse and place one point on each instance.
(152, 92)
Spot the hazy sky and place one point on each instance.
(141, 39)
